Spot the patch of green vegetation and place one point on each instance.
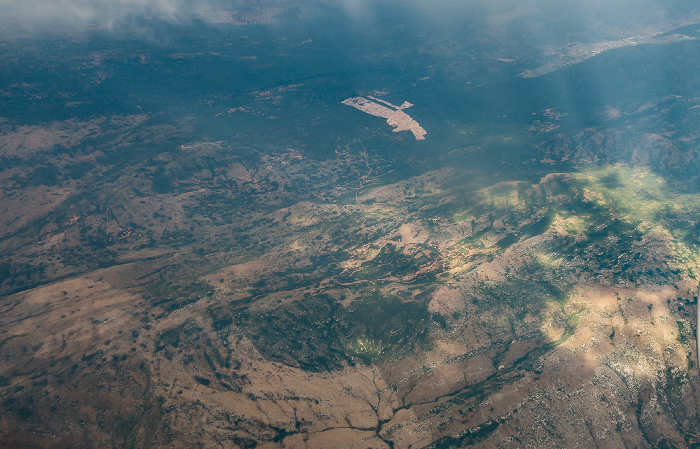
(682, 336)
(576, 224)
(364, 349)
(306, 333)
(572, 320)
(318, 334)
(399, 326)
(461, 217)
(637, 194)
(510, 212)
(615, 243)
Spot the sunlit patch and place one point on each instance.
(365, 349)
(571, 223)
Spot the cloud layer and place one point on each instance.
(33, 15)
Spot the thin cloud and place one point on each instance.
(31, 15)
(54, 15)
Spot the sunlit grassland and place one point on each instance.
(588, 205)
(571, 222)
(364, 349)
(636, 194)
(548, 260)
(643, 199)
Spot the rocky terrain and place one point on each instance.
(514, 315)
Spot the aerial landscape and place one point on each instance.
(349, 224)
